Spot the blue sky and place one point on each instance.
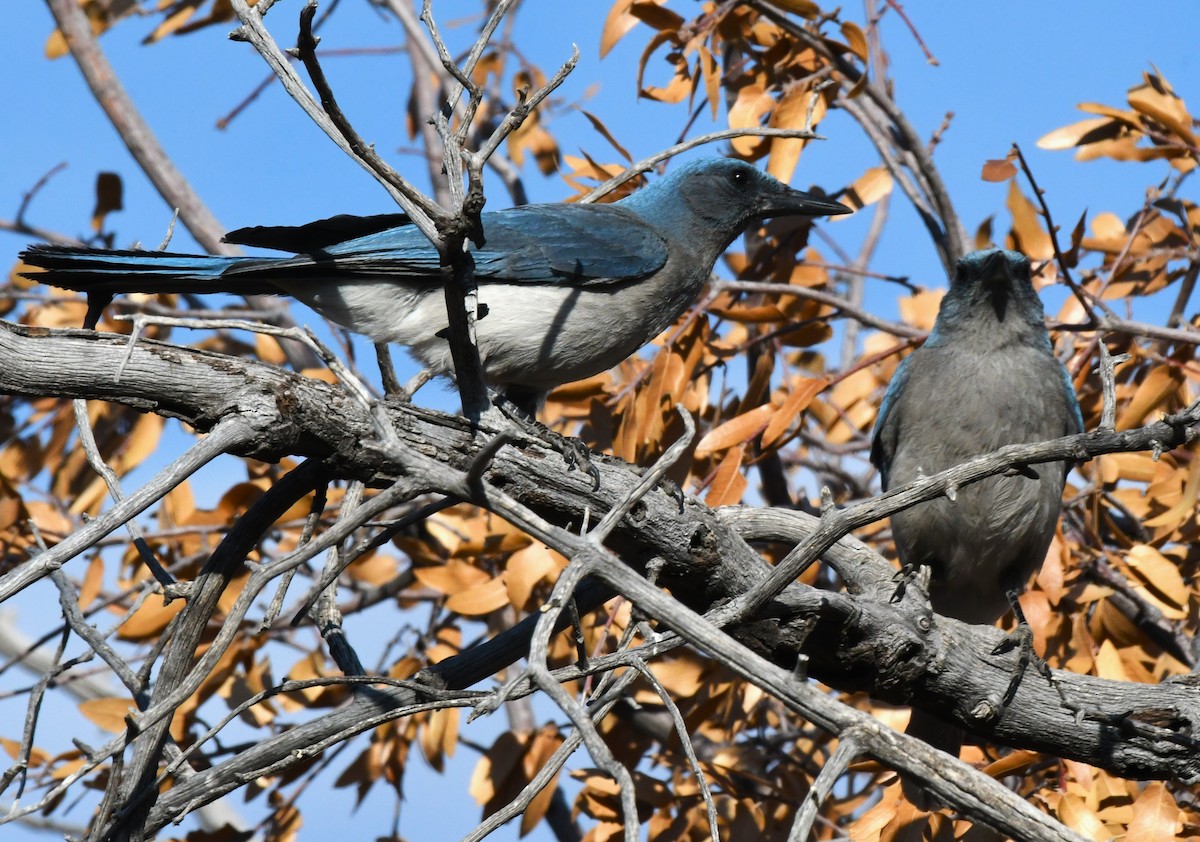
(1010, 72)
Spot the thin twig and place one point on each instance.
(671, 151)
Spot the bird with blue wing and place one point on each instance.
(986, 377)
(565, 291)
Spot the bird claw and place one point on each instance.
(1021, 640)
(574, 451)
(902, 577)
(578, 455)
(671, 488)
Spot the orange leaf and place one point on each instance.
(868, 188)
(791, 113)
(1031, 237)
(799, 399)
(108, 713)
(728, 484)
(1079, 134)
(1074, 812)
(109, 191)
(653, 13)
(1162, 576)
(150, 618)
(803, 8)
(599, 126)
(1154, 390)
(998, 170)
(618, 24)
(1159, 102)
(854, 36)
(736, 430)
(1156, 817)
(747, 112)
(92, 580)
(452, 577)
(480, 599)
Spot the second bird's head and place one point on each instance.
(992, 287)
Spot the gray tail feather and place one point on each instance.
(105, 272)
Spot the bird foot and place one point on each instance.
(905, 576)
(576, 454)
(1020, 639)
(574, 451)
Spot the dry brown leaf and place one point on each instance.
(868, 188)
(710, 72)
(618, 24)
(107, 713)
(1159, 573)
(794, 404)
(599, 126)
(1109, 663)
(1031, 236)
(736, 430)
(1182, 509)
(856, 39)
(791, 113)
(438, 737)
(109, 192)
(52, 523)
(804, 8)
(1011, 764)
(480, 599)
(544, 743)
(1080, 134)
(143, 441)
(728, 485)
(1152, 393)
(452, 577)
(525, 569)
(656, 15)
(998, 170)
(1074, 812)
(93, 579)
(921, 308)
(149, 619)
(748, 109)
(1156, 99)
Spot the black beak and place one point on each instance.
(999, 269)
(798, 203)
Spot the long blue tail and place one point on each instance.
(102, 272)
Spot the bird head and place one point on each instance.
(994, 287)
(716, 198)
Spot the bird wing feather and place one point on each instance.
(581, 245)
(880, 458)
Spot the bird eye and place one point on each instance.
(740, 177)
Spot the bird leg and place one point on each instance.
(574, 452)
(907, 574)
(1020, 638)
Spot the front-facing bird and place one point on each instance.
(566, 291)
(986, 377)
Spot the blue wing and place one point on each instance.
(1072, 401)
(879, 457)
(576, 244)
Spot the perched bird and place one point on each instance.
(986, 377)
(565, 291)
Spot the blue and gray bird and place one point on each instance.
(986, 377)
(566, 291)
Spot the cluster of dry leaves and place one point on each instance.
(780, 413)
